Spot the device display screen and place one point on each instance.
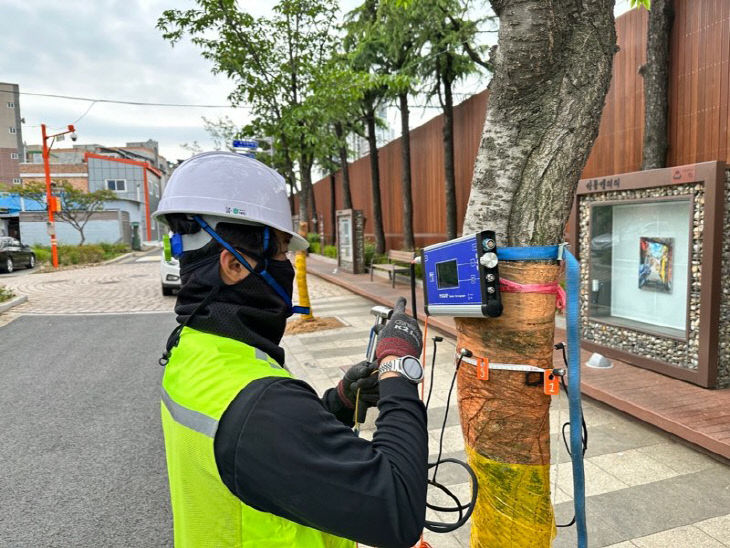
(447, 274)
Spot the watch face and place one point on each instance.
(412, 368)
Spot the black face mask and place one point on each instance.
(249, 311)
(283, 273)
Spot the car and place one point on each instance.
(169, 274)
(14, 254)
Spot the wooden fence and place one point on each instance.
(699, 112)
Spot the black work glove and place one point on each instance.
(401, 336)
(359, 376)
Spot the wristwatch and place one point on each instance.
(407, 366)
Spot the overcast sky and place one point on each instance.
(111, 49)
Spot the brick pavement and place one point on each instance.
(644, 487)
(111, 288)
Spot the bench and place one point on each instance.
(391, 267)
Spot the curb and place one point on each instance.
(324, 259)
(117, 259)
(15, 301)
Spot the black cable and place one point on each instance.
(584, 427)
(464, 510)
(436, 340)
(446, 416)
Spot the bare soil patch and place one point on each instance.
(302, 325)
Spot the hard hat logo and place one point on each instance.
(228, 187)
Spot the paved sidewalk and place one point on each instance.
(644, 487)
(128, 287)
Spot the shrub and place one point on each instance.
(371, 256)
(5, 294)
(312, 237)
(81, 254)
(113, 250)
(330, 251)
(314, 247)
(42, 254)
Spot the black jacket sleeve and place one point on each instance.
(333, 404)
(279, 450)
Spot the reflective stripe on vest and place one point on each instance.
(187, 417)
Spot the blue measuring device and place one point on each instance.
(461, 277)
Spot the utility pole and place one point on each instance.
(50, 202)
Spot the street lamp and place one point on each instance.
(49, 197)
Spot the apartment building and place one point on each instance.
(11, 136)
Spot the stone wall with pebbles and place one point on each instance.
(723, 368)
(677, 352)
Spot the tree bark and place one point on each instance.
(305, 170)
(450, 177)
(289, 173)
(552, 72)
(656, 85)
(375, 179)
(312, 201)
(344, 166)
(303, 200)
(408, 240)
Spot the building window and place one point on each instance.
(13, 155)
(11, 104)
(12, 130)
(120, 185)
(16, 181)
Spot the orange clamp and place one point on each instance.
(552, 383)
(483, 369)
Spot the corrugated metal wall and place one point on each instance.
(698, 124)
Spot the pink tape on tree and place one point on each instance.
(508, 286)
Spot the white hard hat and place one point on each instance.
(227, 187)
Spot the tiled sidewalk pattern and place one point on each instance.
(643, 487)
(111, 288)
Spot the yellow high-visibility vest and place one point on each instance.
(203, 376)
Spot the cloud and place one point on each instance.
(108, 49)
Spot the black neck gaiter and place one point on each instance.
(249, 311)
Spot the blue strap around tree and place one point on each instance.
(572, 278)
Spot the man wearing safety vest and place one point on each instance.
(255, 458)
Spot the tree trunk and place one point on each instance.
(552, 71)
(344, 166)
(448, 133)
(333, 208)
(312, 202)
(375, 180)
(408, 240)
(303, 201)
(656, 85)
(289, 174)
(292, 194)
(305, 170)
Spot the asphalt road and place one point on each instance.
(81, 454)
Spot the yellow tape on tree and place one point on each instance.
(300, 264)
(513, 506)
